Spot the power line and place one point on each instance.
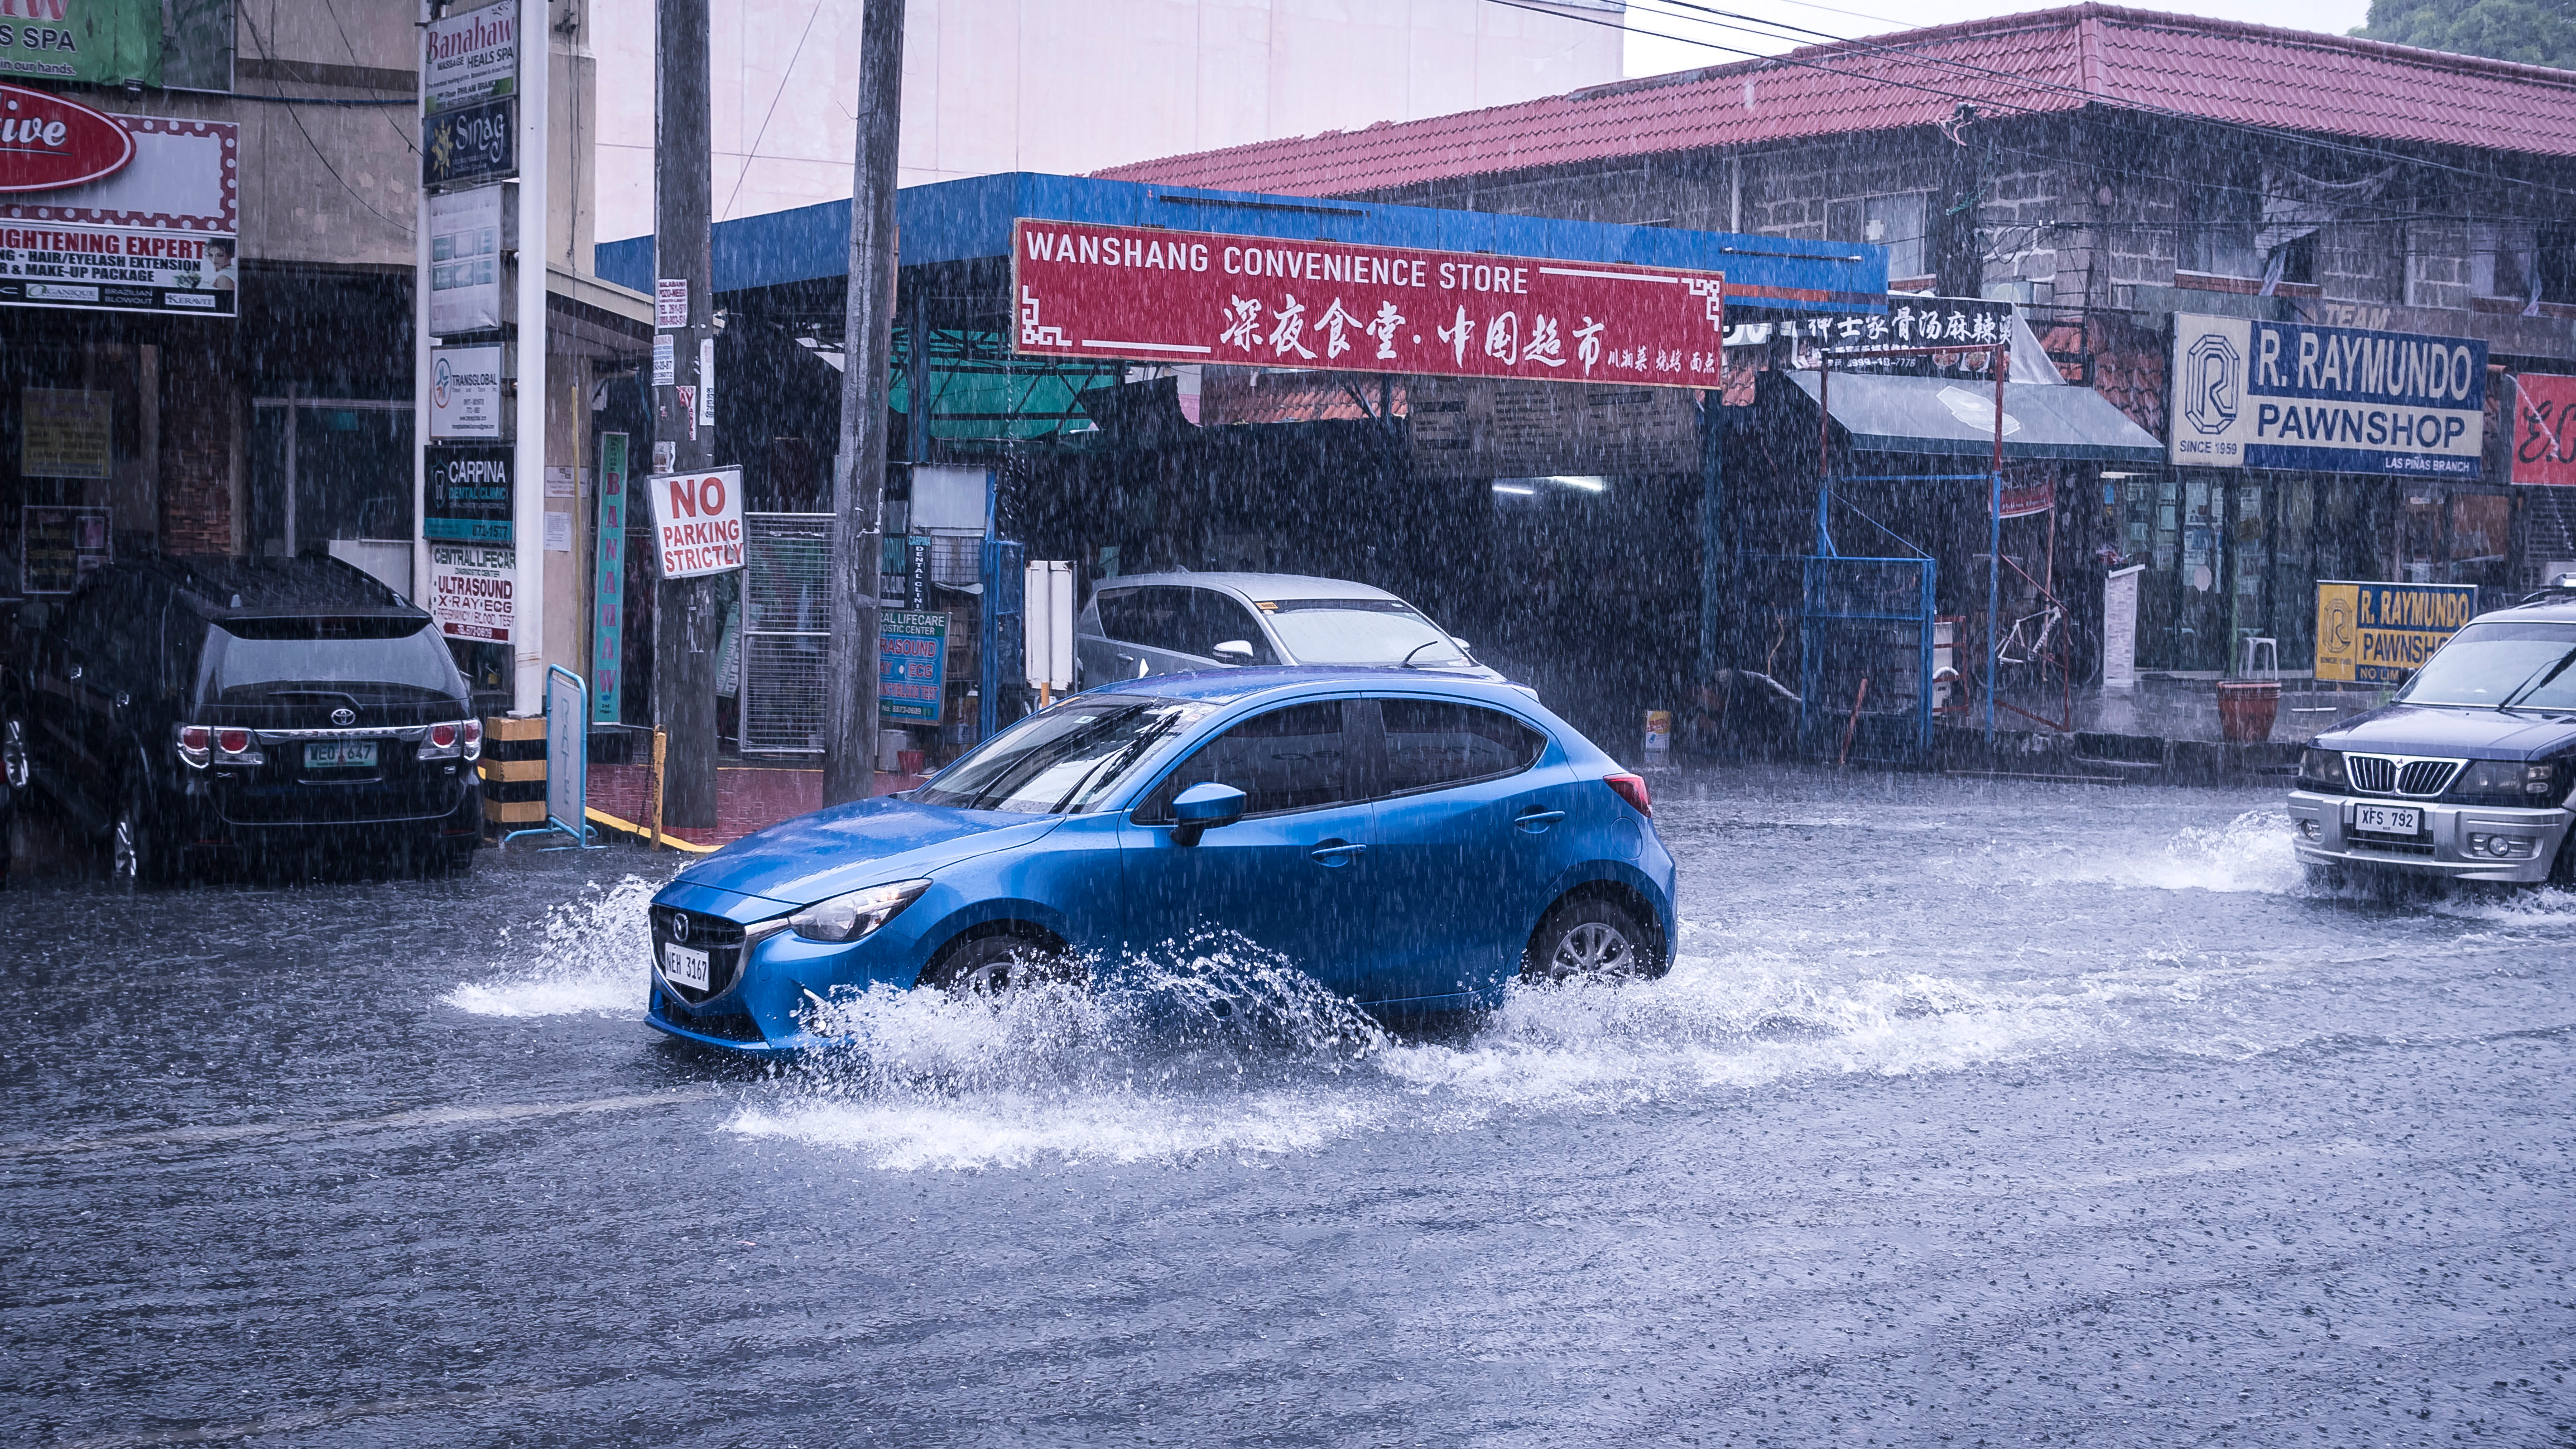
(262, 42)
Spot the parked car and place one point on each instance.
(2464, 774)
(1413, 841)
(188, 706)
(1182, 623)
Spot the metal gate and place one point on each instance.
(1868, 660)
(786, 631)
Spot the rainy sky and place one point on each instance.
(1668, 35)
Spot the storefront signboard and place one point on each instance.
(59, 546)
(2255, 394)
(2544, 429)
(52, 142)
(465, 392)
(66, 433)
(1908, 323)
(912, 666)
(1211, 297)
(472, 588)
(2374, 633)
(94, 42)
(697, 522)
(153, 233)
(470, 144)
(2025, 497)
(469, 497)
(608, 591)
(2120, 629)
(468, 231)
(470, 57)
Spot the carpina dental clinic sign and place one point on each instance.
(1144, 293)
(47, 142)
(697, 521)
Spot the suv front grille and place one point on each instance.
(719, 938)
(2400, 774)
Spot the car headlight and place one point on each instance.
(849, 917)
(2509, 777)
(2322, 765)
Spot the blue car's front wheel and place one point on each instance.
(1000, 962)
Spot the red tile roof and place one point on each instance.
(2054, 60)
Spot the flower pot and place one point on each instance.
(2246, 709)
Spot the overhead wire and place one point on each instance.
(262, 42)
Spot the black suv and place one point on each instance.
(246, 707)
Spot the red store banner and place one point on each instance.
(1145, 294)
(2544, 429)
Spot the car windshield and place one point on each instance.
(2528, 666)
(259, 657)
(1067, 759)
(1359, 631)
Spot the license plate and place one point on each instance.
(2387, 819)
(685, 966)
(340, 755)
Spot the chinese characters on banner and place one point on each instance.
(2544, 429)
(1210, 297)
(1911, 322)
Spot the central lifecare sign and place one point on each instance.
(697, 522)
(1211, 297)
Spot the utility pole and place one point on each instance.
(858, 470)
(686, 632)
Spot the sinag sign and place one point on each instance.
(2257, 394)
(697, 521)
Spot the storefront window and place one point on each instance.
(333, 475)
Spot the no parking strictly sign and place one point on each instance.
(697, 522)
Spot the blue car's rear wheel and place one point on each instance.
(997, 963)
(1591, 939)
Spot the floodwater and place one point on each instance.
(1972, 1113)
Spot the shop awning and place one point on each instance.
(1956, 418)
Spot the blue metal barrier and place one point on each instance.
(1866, 675)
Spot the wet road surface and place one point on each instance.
(1972, 1113)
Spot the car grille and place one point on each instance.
(722, 1025)
(719, 938)
(2400, 774)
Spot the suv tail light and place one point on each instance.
(453, 739)
(1632, 788)
(473, 729)
(195, 742)
(442, 735)
(233, 742)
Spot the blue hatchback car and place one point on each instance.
(1414, 843)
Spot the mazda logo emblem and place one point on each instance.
(679, 928)
(344, 717)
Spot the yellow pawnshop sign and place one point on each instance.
(2375, 633)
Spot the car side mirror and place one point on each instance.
(1463, 646)
(1233, 651)
(1204, 807)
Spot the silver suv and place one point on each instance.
(1185, 623)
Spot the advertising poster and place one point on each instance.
(469, 496)
(1148, 294)
(58, 546)
(697, 522)
(2374, 633)
(912, 665)
(466, 237)
(2544, 430)
(94, 42)
(471, 589)
(470, 57)
(466, 398)
(66, 433)
(2120, 629)
(608, 593)
(470, 144)
(125, 214)
(2249, 394)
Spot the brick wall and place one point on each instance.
(200, 414)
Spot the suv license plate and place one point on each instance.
(685, 966)
(340, 755)
(2387, 819)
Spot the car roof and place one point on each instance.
(1227, 686)
(2554, 605)
(1256, 586)
(222, 586)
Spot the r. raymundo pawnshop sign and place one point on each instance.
(1141, 293)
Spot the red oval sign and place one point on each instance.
(47, 143)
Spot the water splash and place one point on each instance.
(589, 958)
(2249, 853)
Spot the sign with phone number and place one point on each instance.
(912, 666)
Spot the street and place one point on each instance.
(1972, 1113)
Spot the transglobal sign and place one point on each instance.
(1144, 293)
(48, 143)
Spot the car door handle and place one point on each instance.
(1537, 821)
(1337, 852)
